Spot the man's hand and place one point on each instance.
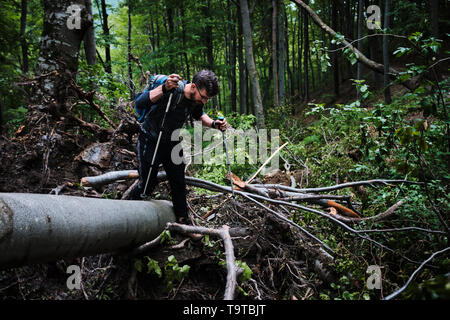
(221, 124)
(172, 81)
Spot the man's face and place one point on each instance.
(199, 96)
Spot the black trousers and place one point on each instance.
(175, 172)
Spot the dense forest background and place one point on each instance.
(358, 89)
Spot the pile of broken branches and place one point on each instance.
(273, 201)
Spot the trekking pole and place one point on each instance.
(226, 152)
(157, 145)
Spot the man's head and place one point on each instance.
(204, 86)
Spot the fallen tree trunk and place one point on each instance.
(36, 228)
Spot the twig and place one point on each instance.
(396, 293)
(370, 183)
(223, 233)
(266, 162)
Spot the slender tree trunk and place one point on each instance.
(281, 53)
(387, 91)
(349, 32)
(373, 49)
(232, 58)
(89, 38)
(299, 53)
(242, 70)
(434, 17)
(276, 101)
(105, 28)
(130, 70)
(23, 40)
(209, 42)
(360, 26)
(305, 55)
(334, 56)
(183, 30)
(254, 79)
(313, 82)
(288, 62)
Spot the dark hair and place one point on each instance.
(206, 79)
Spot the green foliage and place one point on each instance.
(173, 272)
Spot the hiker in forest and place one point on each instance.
(166, 104)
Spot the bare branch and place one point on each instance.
(411, 278)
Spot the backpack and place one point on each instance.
(154, 82)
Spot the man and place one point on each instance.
(193, 96)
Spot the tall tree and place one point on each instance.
(23, 40)
(251, 67)
(434, 17)
(129, 58)
(232, 57)
(65, 22)
(106, 34)
(334, 55)
(387, 91)
(281, 52)
(243, 78)
(299, 53)
(360, 26)
(276, 101)
(89, 37)
(306, 55)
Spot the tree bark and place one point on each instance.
(434, 17)
(359, 36)
(251, 67)
(305, 56)
(232, 57)
(335, 53)
(242, 70)
(129, 59)
(38, 228)
(23, 40)
(281, 53)
(276, 101)
(105, 28)
(89, 38)
(61, 26)
(387, 91)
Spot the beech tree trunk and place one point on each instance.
(251, 67)
(276, 101)
(37, 228)
(63, 32)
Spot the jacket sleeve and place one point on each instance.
(143, 101)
